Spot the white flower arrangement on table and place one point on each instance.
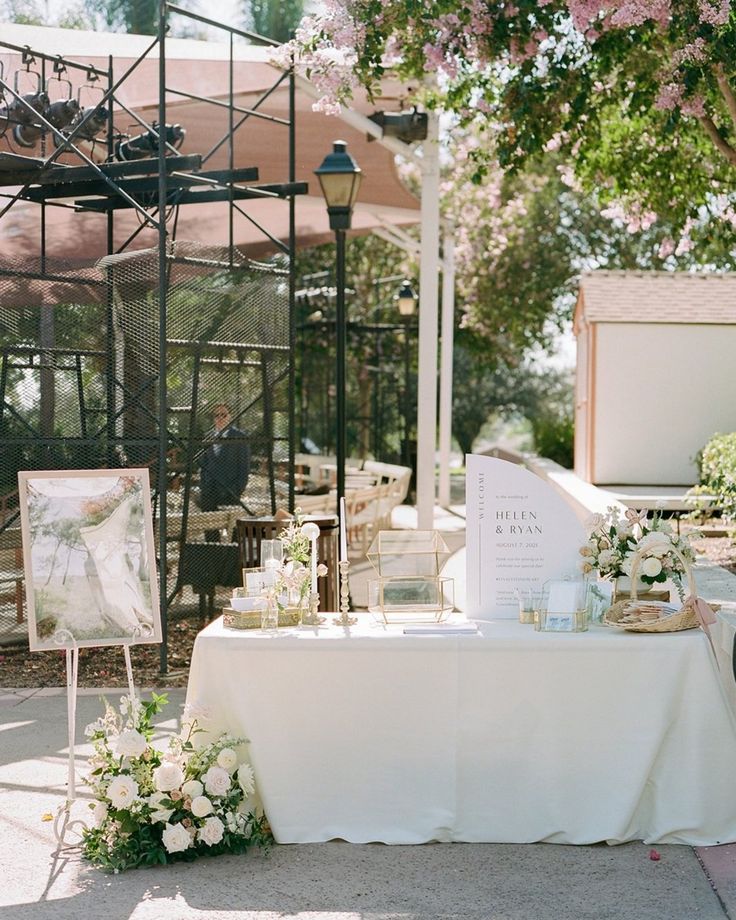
(293, 581)
(614, 539)
(156, 807)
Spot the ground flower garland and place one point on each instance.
(156, 807)
(614, 539)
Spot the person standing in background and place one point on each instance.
(225, 463)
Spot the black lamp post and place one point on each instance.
(407, 303)
(340, 176)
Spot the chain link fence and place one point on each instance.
(80, 359)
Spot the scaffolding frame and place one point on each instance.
(151, 187)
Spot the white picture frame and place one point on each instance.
(89, 558)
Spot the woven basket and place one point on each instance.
(685, 618)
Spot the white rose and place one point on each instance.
(227, 759)
(212, 831)
(122, 791)
(246, 779)
(130, 743)
(99, 813)
(216, 781)
(157, 812)
(176, 838)
(651, 567)
(201, 806)
(605, 558)
(594, 522)
(192, 788)
(168, 776)
(656, 543)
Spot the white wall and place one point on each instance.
(661, 391)
(581, 403)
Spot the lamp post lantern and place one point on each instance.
(340, 177)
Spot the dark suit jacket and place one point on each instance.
(224, 472)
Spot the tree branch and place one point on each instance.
(727, 92)
(721, 145)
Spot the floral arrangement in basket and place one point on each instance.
(614, 539)
(156, 806)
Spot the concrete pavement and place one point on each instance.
(334, 881)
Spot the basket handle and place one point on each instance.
(642, 553)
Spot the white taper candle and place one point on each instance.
(343, 532)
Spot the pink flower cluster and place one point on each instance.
(714, 12)
(631, 214)
(622, 14)
(672, 95)
(637, 12)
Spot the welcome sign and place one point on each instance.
(520, 533)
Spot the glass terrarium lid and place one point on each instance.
(407, 544)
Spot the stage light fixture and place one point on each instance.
(146, 144)
(93, 121)
(20, 114)
(60, 114)
(406, 126)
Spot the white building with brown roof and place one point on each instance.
(656, 373)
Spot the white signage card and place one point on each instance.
(562, 597)
(520, 533)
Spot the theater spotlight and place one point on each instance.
(91, 121)
(406, 126)
(60, 114)
(146, 144)
(20, 114)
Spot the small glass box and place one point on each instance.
(256, 582)
(411, 598)
(408, 552)
(563, 606)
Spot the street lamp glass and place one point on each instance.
(407, 300)
(340, 177)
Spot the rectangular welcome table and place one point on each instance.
(508, 736)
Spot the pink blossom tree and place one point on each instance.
(637, 95)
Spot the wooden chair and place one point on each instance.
(12, 574)
(251, 531)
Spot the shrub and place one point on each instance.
(718, 475)
(553, 436)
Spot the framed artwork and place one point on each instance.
(89, 558)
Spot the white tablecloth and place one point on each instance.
(509, 736)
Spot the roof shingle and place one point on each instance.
(656, 297)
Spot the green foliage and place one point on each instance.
(375, 348)
(23, 12)
(275, 19)
(637, 97)
(718, 475)
(553, 432)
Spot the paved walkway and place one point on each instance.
(335, 881)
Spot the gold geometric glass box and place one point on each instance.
(409, 587)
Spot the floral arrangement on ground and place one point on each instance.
(614, 539)
(155, 807)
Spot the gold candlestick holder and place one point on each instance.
(344, 619)
(312, 618)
